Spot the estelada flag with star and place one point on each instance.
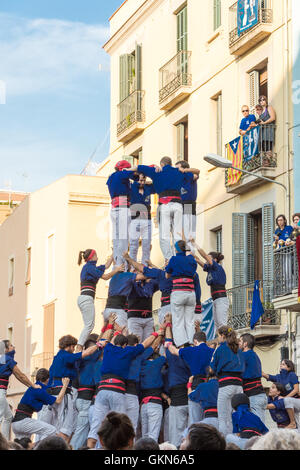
(234, 151)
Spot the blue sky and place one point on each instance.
(56, 110)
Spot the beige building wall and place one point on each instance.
(214, 69)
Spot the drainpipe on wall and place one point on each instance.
(287, 108)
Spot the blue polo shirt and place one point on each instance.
(164, 284)
(136, 365)
(243, 419)
(169, 179)
(7, 363)
(65, 364)
(206, 393)
(287, 378)
(189, 188)
(37, 397)
(91, 272)
(118, 183)
(284, 233)
(178, 371)
(182, 265)
(215, 274)
(121, 284)
(225, 360)
(279, 414)
(197, 357)
(87, 369)
(252, 365)
(117, 360)
(151, 373)
(141, 198)
(245, 122)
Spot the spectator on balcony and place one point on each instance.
(248, 118)
(296, 220)
(268, 118)
(283, 231)
(286, 377)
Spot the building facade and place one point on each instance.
(180, 74)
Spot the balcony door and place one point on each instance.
(182, 42)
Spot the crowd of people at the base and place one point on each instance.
(120, 393)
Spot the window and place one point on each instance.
(219, 240)
(182, 33)
(182, 131)
(28, 266)
(11, 275)
(49, 318)
(258, 85)
(130, 72)
(217, 14)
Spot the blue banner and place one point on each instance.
(208, 324)
(251, 143)
(257, 308)
(247, 14)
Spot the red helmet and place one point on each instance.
(122, 164)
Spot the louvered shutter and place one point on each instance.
(253, 89)
(268, 255)
(239, 265)
(250, 250)
(217, 14)
(219, 125)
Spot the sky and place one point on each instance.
(54, 89)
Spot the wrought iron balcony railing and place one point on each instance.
(43, 360)
(265, 16)
(285, 270)
(131, 111)
(265, 157)
(174, 74)
(240, 305)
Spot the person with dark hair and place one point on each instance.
(167, 182)
(296, 220)
(283, 417)
(151, 386)
(283, 231)
(189, 201)
(119, 189)
(287, 377)
(181, 269)
(198, 358)
(64, 364)
(140, 225)
(216, 279)
(116, 363)
(245, 423)
(146, 443)
(203, 437)
(32, 401)
(52, 443)
(25, 442)
(267, 118)
(228, 365)
(85, 393)
(252, 374)
(8, 367)
(178, 375)
(206, 393)
(246, 121)
(116, 432)
(89, 277)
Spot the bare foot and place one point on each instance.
(292, 425)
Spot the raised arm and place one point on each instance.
(117, 269)
(202, 252)
(138, 266)
(150, 341)
(60, 396)
(23, 378)
(109, 261)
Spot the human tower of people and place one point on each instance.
(166, 380)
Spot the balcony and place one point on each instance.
(240, 44)
(286, 278)
(175, 80)
(131, 116)
(41, 361)
(240, 306)
(264, 163)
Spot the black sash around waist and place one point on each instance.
(4, 382)
(189, 207)
(86, 392)
(183, 283)
(112, 383)
(170, 195)
(23, 411)
(198, 308)
(139, 307)
(211, 412)
(252, 386)
(116, 301)
(248, 432)
(198, 379)
(141, 214)
(165, 299)
(217, 291)
(131, 387)
(178, 395)
(230, 378)
(88, 288)
(151, 395)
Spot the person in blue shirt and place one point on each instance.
(85, 392)
(198, 358)
(206, 393)
(228, 365)
(189, 201)
(8, 367)
(167, 182)
(287, 377)
(216, 279)
(32, 401)
(140, 211)
(89, 277)
(115, 368)
(181, 269)
(133, 381)
(247, 120)
(252, 377)
(119, 189)
(283, 417)
(178, 375)
(151, 389)
(245, 423)
(283, 231)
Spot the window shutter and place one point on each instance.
(268, 255)
(217, 14)
(180, 142)
(182, 33)
(239, 263)
(251, 250)
(254, 89)
(219, 125)
(122, 75)
(138, 67)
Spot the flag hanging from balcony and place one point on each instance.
(298, 256)
(234, 150)
(257, 308)
(247, 14)
(207, 323)
(251, 143)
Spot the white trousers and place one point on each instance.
(140, 228)
(120, 217)
(170, 224)
(28, 426)
(183, 312)
(6, 415)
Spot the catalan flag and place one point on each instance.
(234, 151)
